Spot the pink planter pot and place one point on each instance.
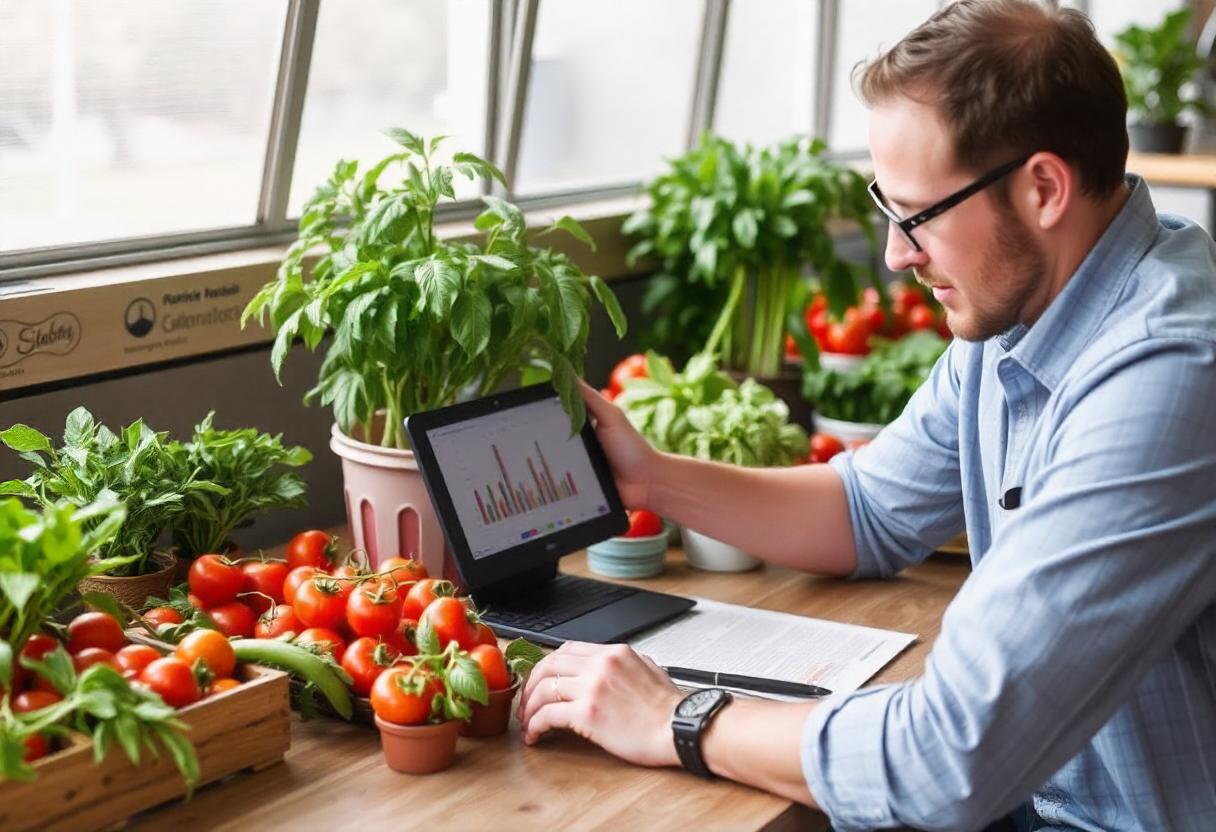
(387, 504)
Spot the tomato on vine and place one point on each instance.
(215, 579)
(373, 610)
(403, 696)
(365, 659)
(312, 548)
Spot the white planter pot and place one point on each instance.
(712, 555)
(846, 431)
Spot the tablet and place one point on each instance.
(513, 489)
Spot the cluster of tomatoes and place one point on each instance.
(201, 665)
(910, 311)
(633, 366)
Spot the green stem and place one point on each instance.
(728, 311)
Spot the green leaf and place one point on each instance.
(471, 165)
(467, 680)
(440, 283)
(19, 587)
(426, 638)
(406, 139)
(25, 439)
(79, 428)
(522, 655)
(612, 306)
(471, 322)
(6, 664)
(572, 227)
(17, 488)
(744, 227)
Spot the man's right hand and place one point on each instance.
(631, 457)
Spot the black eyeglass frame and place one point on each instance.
(938, 208)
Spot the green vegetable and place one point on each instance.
(732, 231)
(417, 321)
(702, 412)
(301, 663)
(136, 468)
(44, 555)
(252, 466)
(522, 655)
(879, 388)
(1157, 63)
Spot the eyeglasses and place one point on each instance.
(906, 225)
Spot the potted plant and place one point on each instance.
(1158, 65)
(740, 227)
(254, 468)
(419, 321)
(136, 467)
(703, 412)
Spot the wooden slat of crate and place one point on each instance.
(248, 727)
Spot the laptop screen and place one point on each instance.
(516, 474)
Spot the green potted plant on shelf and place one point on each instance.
(733, 231)
(419, 321)
(704, 413)
(95, 464)
(1158, 65)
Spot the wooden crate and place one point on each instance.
(248, 727)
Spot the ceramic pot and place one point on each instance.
(712, 555)
(1157, 138)
(419, 749)
(134, 590)
(493, 718)
(846, 431)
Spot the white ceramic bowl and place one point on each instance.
(712, 555)
(846, 431)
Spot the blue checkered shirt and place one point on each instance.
(1078, 661)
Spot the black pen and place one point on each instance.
(752, 683)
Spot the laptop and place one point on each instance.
(515, 491)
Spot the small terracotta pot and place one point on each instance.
(492, 719)
(418, 749)
(135, 589)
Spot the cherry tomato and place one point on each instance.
(450, 620)
(403, 696)
(173, 680)
(38, 645)
(34, 700)
(221, 685)
(163, 615)
(195, 601)
(493, 666)
(35, 748)
(904, 297)
(633, 366)
(209, 647)
(347, 576)
(312, 548)
(607, 393)
(849, 338)
(135, 657)
(215, 579)
(234, 619)
(277, 621)
(402, 639)
(320, 602)
(824, 446)
(420, 596)
(295, 578)
(90, 656)
(265, 577)
(643, 523)
(402, 570)
(485, 635)
(325, 640)
(365, 659)
(373, 610)
(95, 629)
(921, 317)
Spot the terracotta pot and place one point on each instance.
(387, 505)
(418, 749)
(494, 718)
(133, 591)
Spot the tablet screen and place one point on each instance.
(515, 475)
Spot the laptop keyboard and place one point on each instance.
(565, 598)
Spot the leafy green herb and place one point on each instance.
(732, 230)
(522, 655)
(251, 466)
(702, 412)
(417, 321)
(1157, 63)
(879, 388)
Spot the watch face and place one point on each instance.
(698, 703)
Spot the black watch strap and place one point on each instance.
(687, 732)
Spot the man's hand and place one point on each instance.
(607, 694)
(630, 456)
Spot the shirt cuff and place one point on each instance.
(843, 759)
(867, 565)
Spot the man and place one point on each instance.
(1069, 428)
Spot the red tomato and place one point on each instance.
(373, 610)
(402, 639)
(221, 685)
(95, 629)
(173, 680)
(402, 570)
(265, 577)
(493, 666)
(905, 297)
(632, 367)
(312, 548)
(195, 601)
(234, 619)
(824, 446)
(35, 748)
(34, 700)
(325, 640)
(365, 659)
(346, 576)
(607, 393)
(277, 621)
(860, 442)
(791, 347)
(215, 579)
(403, 696)
(163, 615)
(921, 317)
(850, 338)
(135, 657)
(209, 647)
(450, 620)
(295, 578)
(485, 635)
(38, 645)
(90, 656)
(643, 523)
(320, 602)
(420, 596)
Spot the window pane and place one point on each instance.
(770, 46)
(610, 91)
(1112, 16)
(866, 28)
(132, 117)
(417, 64)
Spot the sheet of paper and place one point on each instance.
(773, 645)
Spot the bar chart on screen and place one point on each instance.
(510, 496)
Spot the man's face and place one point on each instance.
(979, 258)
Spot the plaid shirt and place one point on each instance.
(1078, 660)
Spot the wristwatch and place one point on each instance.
(689, 721)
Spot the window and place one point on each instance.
(1113, 16)
(132, 117)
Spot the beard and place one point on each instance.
(1012, 270)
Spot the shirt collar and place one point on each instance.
(1051, 345)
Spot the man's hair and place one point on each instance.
(1011, 77)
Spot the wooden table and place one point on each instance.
(334, 776)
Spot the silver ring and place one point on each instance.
(556, 693)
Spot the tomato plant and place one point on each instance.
(643, 523)
(215, 579)
(320, 602)
(173, 680)
(373, 610)
(403, 696)
(95, 629)
(312, 548)
(234, 619)
(422, 594)
(210, 648)
(493, 666)
(449, 618)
